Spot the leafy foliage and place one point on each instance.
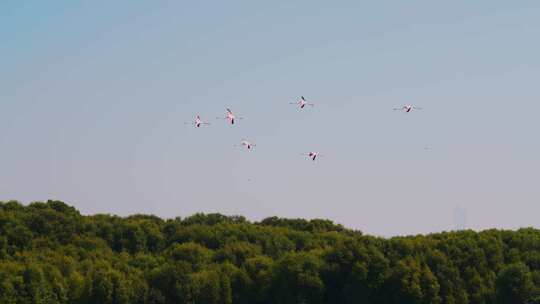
(50, 253)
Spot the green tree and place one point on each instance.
(514, 284)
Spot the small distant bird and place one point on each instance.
(230, 117)
(302, 103)
(407, 108)
(312, 155)
(198, 122)
(246, 144)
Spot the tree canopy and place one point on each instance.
(50, 253)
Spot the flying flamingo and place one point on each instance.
(407, 108)
(312, 155)
(230, 117)
(198, 122)
(302, 103)
(246, 144)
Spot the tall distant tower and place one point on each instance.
(460, 218)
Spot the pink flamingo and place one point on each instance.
(230, 117)
(407, 108)
(246, 144)
(312, 155)
(198, 122)
(302, 103)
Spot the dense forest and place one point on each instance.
(50, 253)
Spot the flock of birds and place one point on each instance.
(301, 104)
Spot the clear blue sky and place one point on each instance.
(94, 94)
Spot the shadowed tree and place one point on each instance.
(514, 284)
